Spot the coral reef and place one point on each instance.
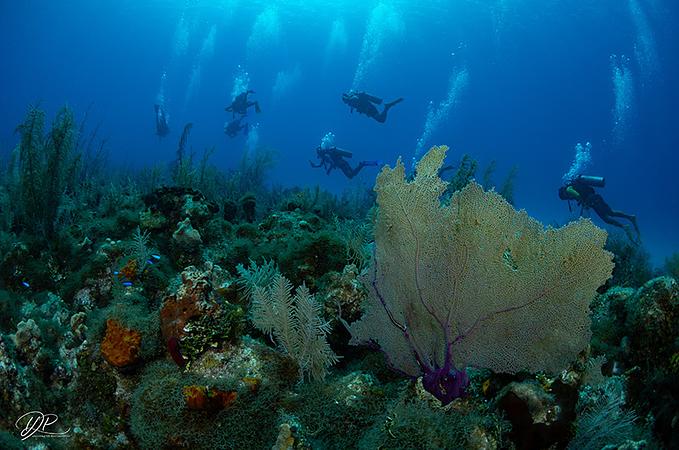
(151, 319)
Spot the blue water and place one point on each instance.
(538, 77)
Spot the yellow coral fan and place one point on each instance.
(475, 281)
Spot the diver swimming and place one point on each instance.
(364, 103)
(234, 127)
(240, 104)
(162, 127)
(581, 189)
(332, 158)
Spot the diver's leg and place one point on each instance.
(382, 117)
(359, 167)
(351, 173)
(347, 170)
(395, 102)
(631, 217)
(256, 105)
(609, 220)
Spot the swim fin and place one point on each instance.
(395, 102)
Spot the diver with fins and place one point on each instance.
(240, 104)
(364, 103)
(232, 128)
(332, 158)
(581, 189)
(162, 127)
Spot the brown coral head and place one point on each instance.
(120, 346)
(206, 398)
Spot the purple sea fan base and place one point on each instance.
(446, 384)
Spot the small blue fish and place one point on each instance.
(156, 257)
(127, 283)
(116, 272)
(25, 284)
(149, 261)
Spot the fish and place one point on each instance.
(25, 284)
(127, 283)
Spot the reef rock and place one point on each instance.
(27, 339)
(346, 290)
(193, 299)
(653, 321)
(178, 203)
(186, 236)
(539, 418)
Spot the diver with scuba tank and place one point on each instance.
(331, 158)
(581, 189)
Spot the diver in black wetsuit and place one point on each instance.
(240, 104)
(333, 158)
(162, 128)
(365, 103)
(232, 128)
(581, 190)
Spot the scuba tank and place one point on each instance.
(593, 181)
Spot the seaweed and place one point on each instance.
(45, 161)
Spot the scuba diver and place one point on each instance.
(581, 189)
(240, 104)
(162, 128)
(333, 158)
(232, 128)
(365, 103)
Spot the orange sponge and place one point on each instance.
(121, 345)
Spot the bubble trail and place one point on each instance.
(436, 115)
